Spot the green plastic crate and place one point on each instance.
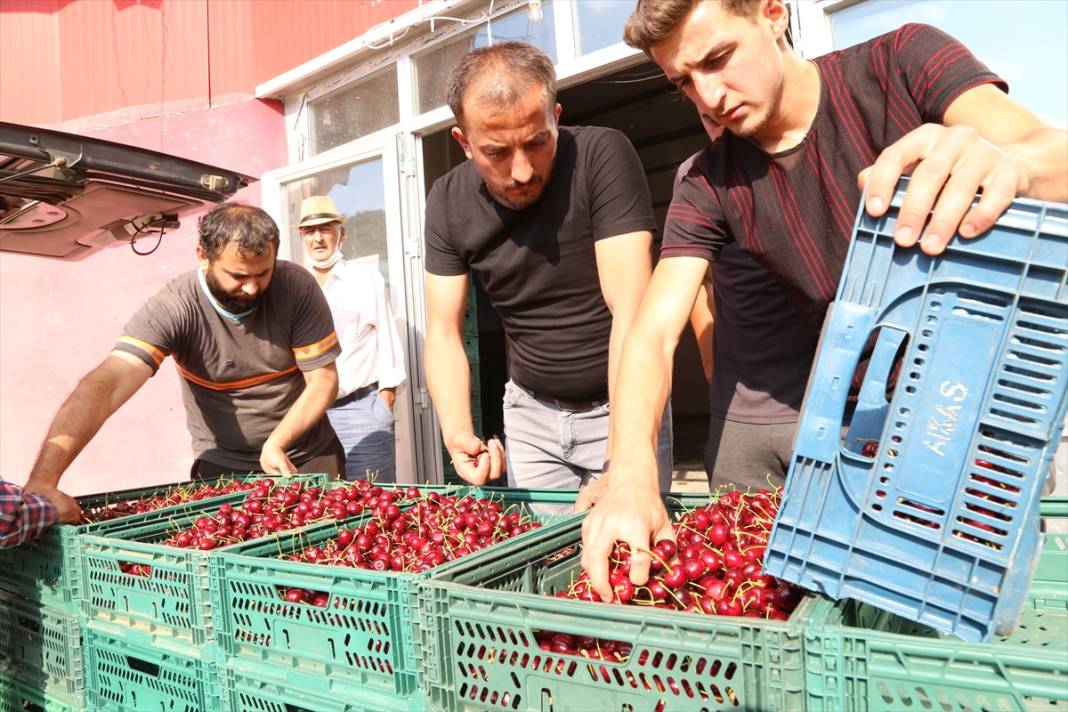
(17, 696)
(249, 690)
(365, 633)
(47, 570)
(127, 670)
(174, 599)
(479, 650)
(41, 648)
(860, 658)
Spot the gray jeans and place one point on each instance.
(558, 449)
(748, 455)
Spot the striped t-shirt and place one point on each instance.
(239, 379)
(794, 210)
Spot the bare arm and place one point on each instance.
(624, 266)
(100, 393)
(448, 378)
(702, 319)
(629, 508)
(320, 391)
(989, 143)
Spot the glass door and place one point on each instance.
(364, 182)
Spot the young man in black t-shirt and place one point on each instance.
(556, 224)
(783, 184)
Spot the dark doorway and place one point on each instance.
(639, 102)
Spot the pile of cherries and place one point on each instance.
(436, 529)
(272, 508)
(713, 568)
(175, 495)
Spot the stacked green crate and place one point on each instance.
(129, 670)
(859, 659)
(361, 646)
(47, 570)
(41, 649)
(17, 696)
(478, 638)
(149, 636)
(41, 591)
(470, 338)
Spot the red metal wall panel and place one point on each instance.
(231, 46)
(146, 56)
(64, 60)
(290, 32)
(29, 61)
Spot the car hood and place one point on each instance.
(65, 196)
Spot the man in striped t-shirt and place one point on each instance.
(803, 138)
(254, 343)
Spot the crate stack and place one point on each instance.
(479, 646)
(860, 659)
(149, 633)
(42, 650)
(360, 651)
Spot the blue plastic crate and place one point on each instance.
(940, 525)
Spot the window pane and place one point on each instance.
(1022, 41)
(359, 194)
(357, 110)
(600, 23)
(432, 69)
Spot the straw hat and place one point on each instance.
(318, 209)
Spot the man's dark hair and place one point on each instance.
(516, 65)
(250, 228)
(654, 20)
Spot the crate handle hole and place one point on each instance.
(145, 666)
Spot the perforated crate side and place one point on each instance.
(48, 570)
(365, 633)
(941, 525)
(16, 696)
(265, 689)
(124, 675)
(480, 652)
(42, 649)
(174, 598)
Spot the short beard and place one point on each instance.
(229, 302)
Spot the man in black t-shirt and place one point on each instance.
(556, 224)
(783, 184)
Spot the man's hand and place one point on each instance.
(949, 165)
(592, 493)
(66, 506)
(475, 461)
(274, 460)
(628, 510)
(388, 396)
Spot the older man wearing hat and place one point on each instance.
(371, 365)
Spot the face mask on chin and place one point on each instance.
(328, 262)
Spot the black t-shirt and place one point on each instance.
(794, 210)
(538, 264)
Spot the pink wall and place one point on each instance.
(59, 319)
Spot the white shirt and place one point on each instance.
(363, 318)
